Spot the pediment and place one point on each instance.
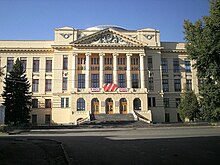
(108, 37)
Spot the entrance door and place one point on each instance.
(96, 108)
(109, 106)
(123, 109)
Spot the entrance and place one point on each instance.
(123, 106)
(95, 106)
(109, 106)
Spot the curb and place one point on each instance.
(67, 159)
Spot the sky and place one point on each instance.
(37, 19)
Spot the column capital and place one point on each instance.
(115, 54)
(75, 54)
(88, 54)
(142, 54)
(128, 54)
(102, 54)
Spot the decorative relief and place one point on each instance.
(149, 36)
(81, 35)
(133, 36)
(65, 35)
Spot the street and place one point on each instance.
(167, 145)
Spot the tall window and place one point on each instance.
(81, 60)
(121, 81)
(35, 85)
(177, 85)
(64, 102)
(48, 85)
(151, 84)
(166, 102)
(34, 103)
(47, 103)
(187, 66)
(150, 63)
(108, 61)
(10, 62)
(36, 63)
(95, 80)
(164, 65)
(65, 80)
(65, 62)
(80, 104)
(67, 102)
(24, 63)
(137, 104)
(189, 84)
(176, 65)
(165, 85)
(151, 102)
(134, 80)
(48, 65)
(134, 61)
(108, 78)
(81, 80)
(94, 61)
(121, 61)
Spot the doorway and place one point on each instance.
(109, 106)
(123, 106)
(95, 106)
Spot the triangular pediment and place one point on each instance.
(108, 37)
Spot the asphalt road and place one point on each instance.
(169, 145)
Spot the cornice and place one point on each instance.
(174, 51)
(107, 45)
(26, 50)
(155, 48)
(62, 46)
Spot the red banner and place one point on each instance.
(110, 87)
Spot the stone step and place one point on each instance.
(112, 117)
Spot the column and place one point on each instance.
(115, 75)
(87, 79)
(74, 70)
(142, 70)
(101, 69)
(128, 56)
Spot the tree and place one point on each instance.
(16, 95)
(203, 46)
(189, 106)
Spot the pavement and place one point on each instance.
(27, 151)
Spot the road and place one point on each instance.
(164, 145)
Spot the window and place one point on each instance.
(108, 61)
(24, 63)
(81, 61)
(176, 65)
(165, 85)
(121, 61)
(47, 119)
(48, 65)
(81, 80)
(151, 84)
(67, 102)
(48, 85)
(80, 104)
(62, 102)
(151, 102)
(137, 104)
(150, 63)
(134, 61)
(121, 81)
(154, 101)
(65, 62)
(189, 84)
(187, 66)
(166, 102)
(36, 63)
(95, 81)
(177, 102)
(108, 78)
(94, 61)
(177, 85)
(34, 119)
(164, 65)
(135, 81)
(47, 103)
(65, 79)
(167, 117)
(34, 103)
(10, 62)
(35, 85)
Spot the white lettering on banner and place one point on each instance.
(123, 89)
(95, 89)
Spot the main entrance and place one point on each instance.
(95, 106)
(109, 106)
(123, 106)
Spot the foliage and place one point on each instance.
(203, 46)
(189, 106)
(17, 98)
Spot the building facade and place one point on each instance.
(102, 70)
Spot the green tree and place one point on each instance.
(203, 46)
(17, 98)
(189, 106)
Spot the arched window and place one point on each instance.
(137, 104)
(80, 104)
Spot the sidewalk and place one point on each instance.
(22, 151)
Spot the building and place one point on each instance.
(102, 70)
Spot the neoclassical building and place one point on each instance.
(102, 70)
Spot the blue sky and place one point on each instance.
(36, 19)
